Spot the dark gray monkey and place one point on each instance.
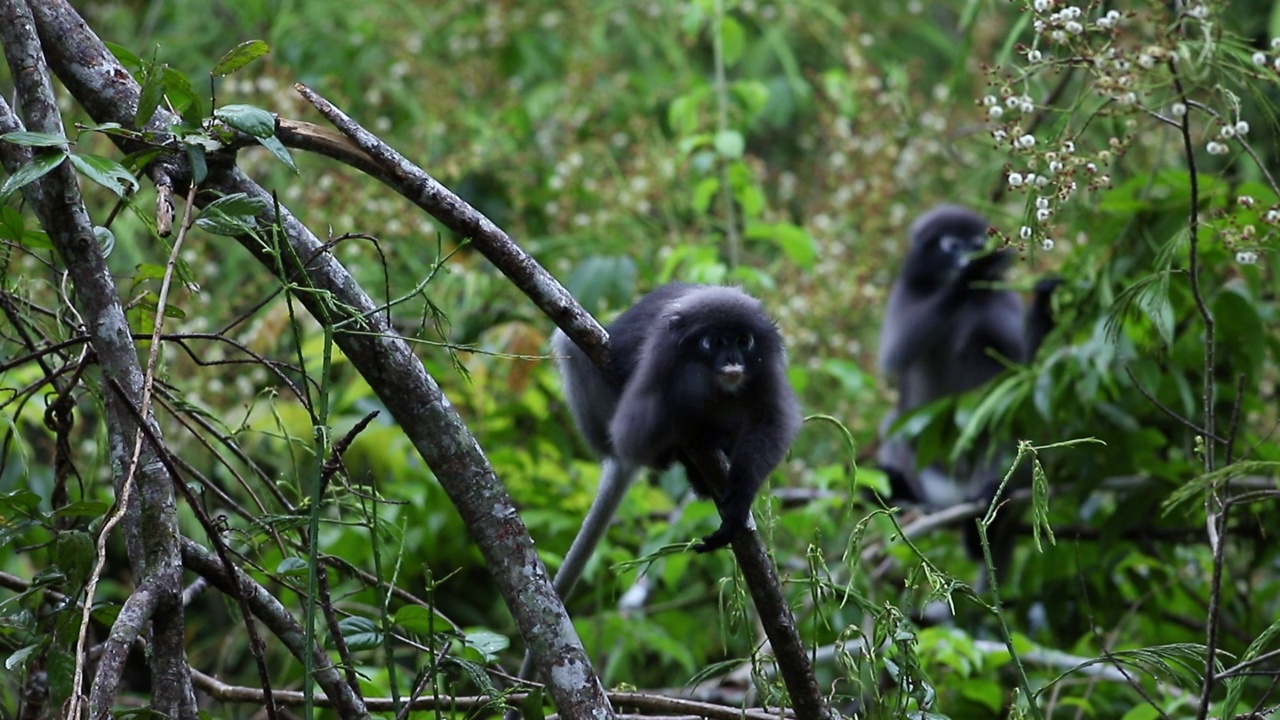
(690, 366)
(945, 328)
(695, 366)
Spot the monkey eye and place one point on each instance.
(951, 244)
(746, 341)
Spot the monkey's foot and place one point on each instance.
(718, 539)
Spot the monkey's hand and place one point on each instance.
(720, 538)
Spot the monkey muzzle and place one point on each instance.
(730, 377)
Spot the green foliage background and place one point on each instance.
(784, 147)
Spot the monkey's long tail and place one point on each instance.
(615, 478)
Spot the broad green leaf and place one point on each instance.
(106, 239)
(199, 166)
(293, 566)
(182, 96)
(278, 149)
(360, 633)
(12, 226)
(487, 643)
(733, 40)
(74, 555)
(34, 139)
(239, 56)
(151, 95)
(41, 165)
(106, 172)
(247, 119)
(127, 58)
(420, 620)
(15, 661)
(730, 144)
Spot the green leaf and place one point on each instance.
(239, 56)
(704, 193)
(12, 226)
(151, 95)
(182, 96)
(733, 39)
(74, 555)
(106, 172)
(795, 241)
(487, 643)
(131, 62)
(19, 658)
(199, 167)
(148, 271)
(237, 204)
(360, 633)
(41, 165)
(34, 139)
(293, 566)
(730, 144)
(106, 239)
(278, 149)
(247, 119)
(420, 620)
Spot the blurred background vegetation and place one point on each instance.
(785, 147)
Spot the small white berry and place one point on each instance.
(1114, 16)
(1146, 61)
(1129, 98)
(1259, 59)
(999, 134)
(1015, 179)
(1273, 216)
(1024, 232)
(1034, 56)
(1216, 148)
(989, 100)
(1042, 202)
(995, 112)
(1178, 109)
(1227, 131)
(1043, 5)
(1246, 201)
(1275, 43)
(1041, 181)
(1057, 35)
(1027, 141)
(1055, 167)
(1043, 214)
(1027, 107)
(1091, 168)
(1068, 147)
(1074, 27)
(1246, 257)
(1242, 128)
(1047, 244)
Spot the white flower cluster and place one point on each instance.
(1227, 131)
(1068, 21)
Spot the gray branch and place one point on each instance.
(150, 522)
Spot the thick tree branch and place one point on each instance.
(109, 94)
(151, 516)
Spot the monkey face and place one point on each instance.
(727, 355)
